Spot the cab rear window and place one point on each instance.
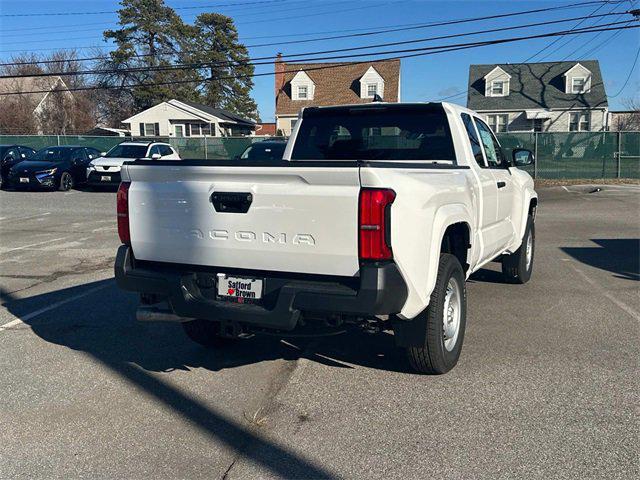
(372, 133)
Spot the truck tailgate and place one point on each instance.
(299, 219)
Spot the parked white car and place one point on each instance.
(105, 170)
(375, 217)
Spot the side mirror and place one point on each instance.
(103, 154)
(522, 157)
(156, 156)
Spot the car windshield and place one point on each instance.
(375, 133)
(52, 154)
(127, 151)
(264, 151)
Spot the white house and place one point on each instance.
(186, 119)
(566, 96)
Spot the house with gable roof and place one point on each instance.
(299, 85)
(566, 96)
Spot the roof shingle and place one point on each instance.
(536, 86)
(336, 86)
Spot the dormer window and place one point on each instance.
(498, 88)
(371, 84)
(577, 80)
(302, 87)
(497, 83)
(578, 84)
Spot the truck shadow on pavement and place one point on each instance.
(620, 256)
(101, 324)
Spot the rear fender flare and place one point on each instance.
(445, 216)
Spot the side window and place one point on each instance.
(27, 152)
(473, 139)
(79, 154)
(155, 149)
(490, 144)
(12, 153)
(165, 150)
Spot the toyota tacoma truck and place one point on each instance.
(375, 216)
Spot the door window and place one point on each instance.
(491, 146)
(165, 150)
(179, 130)
(155, 149)
(13, 153)
(27, 152)
(473, 139)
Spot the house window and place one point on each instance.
(372, 90)
(498, 123)
(206, 129)
(538, 124)
(375, 131)
(498, 88)
(303, 92)
(293, 123)
(578, 84)
(579, 122)
(149, 129)
(195, 129)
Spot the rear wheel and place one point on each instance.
(445, 320)
(518, 266)
(206, 333)
(66, 182)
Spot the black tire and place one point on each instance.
(515, 267)
(434, 358)
(206, 333)
(66, 182)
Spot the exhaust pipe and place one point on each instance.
(155, 314)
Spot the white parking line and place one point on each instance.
(29, 316)
(26, 217)
(33, 245)
(623, 306)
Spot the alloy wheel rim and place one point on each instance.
(67, 182)
(451, 314)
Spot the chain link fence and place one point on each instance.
(583, 155)
(588, 155)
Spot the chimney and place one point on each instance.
(279, 77)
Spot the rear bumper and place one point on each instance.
(380, 290)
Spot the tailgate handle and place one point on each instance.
(231, 202)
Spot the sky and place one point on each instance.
(425, 78)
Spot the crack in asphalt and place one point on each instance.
(80, 268)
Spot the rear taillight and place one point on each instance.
(122, 202)
(374, 223)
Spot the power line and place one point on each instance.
(193, 7)
(196, 65)
(416, 52)
(628, 76)
(366, 33)
(592, 39)
(604, 42)
(560, 38)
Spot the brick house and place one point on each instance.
(541, 97)
(299, 85)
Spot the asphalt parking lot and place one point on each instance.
(547, 385)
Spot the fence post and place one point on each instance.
(535, 154)
(58, 139)
(206, 152)
(618, 154)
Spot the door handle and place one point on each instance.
(502, 184)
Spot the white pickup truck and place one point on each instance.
(375, 217)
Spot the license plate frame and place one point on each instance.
(239, 289)
(24, 179)
(105, 178)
